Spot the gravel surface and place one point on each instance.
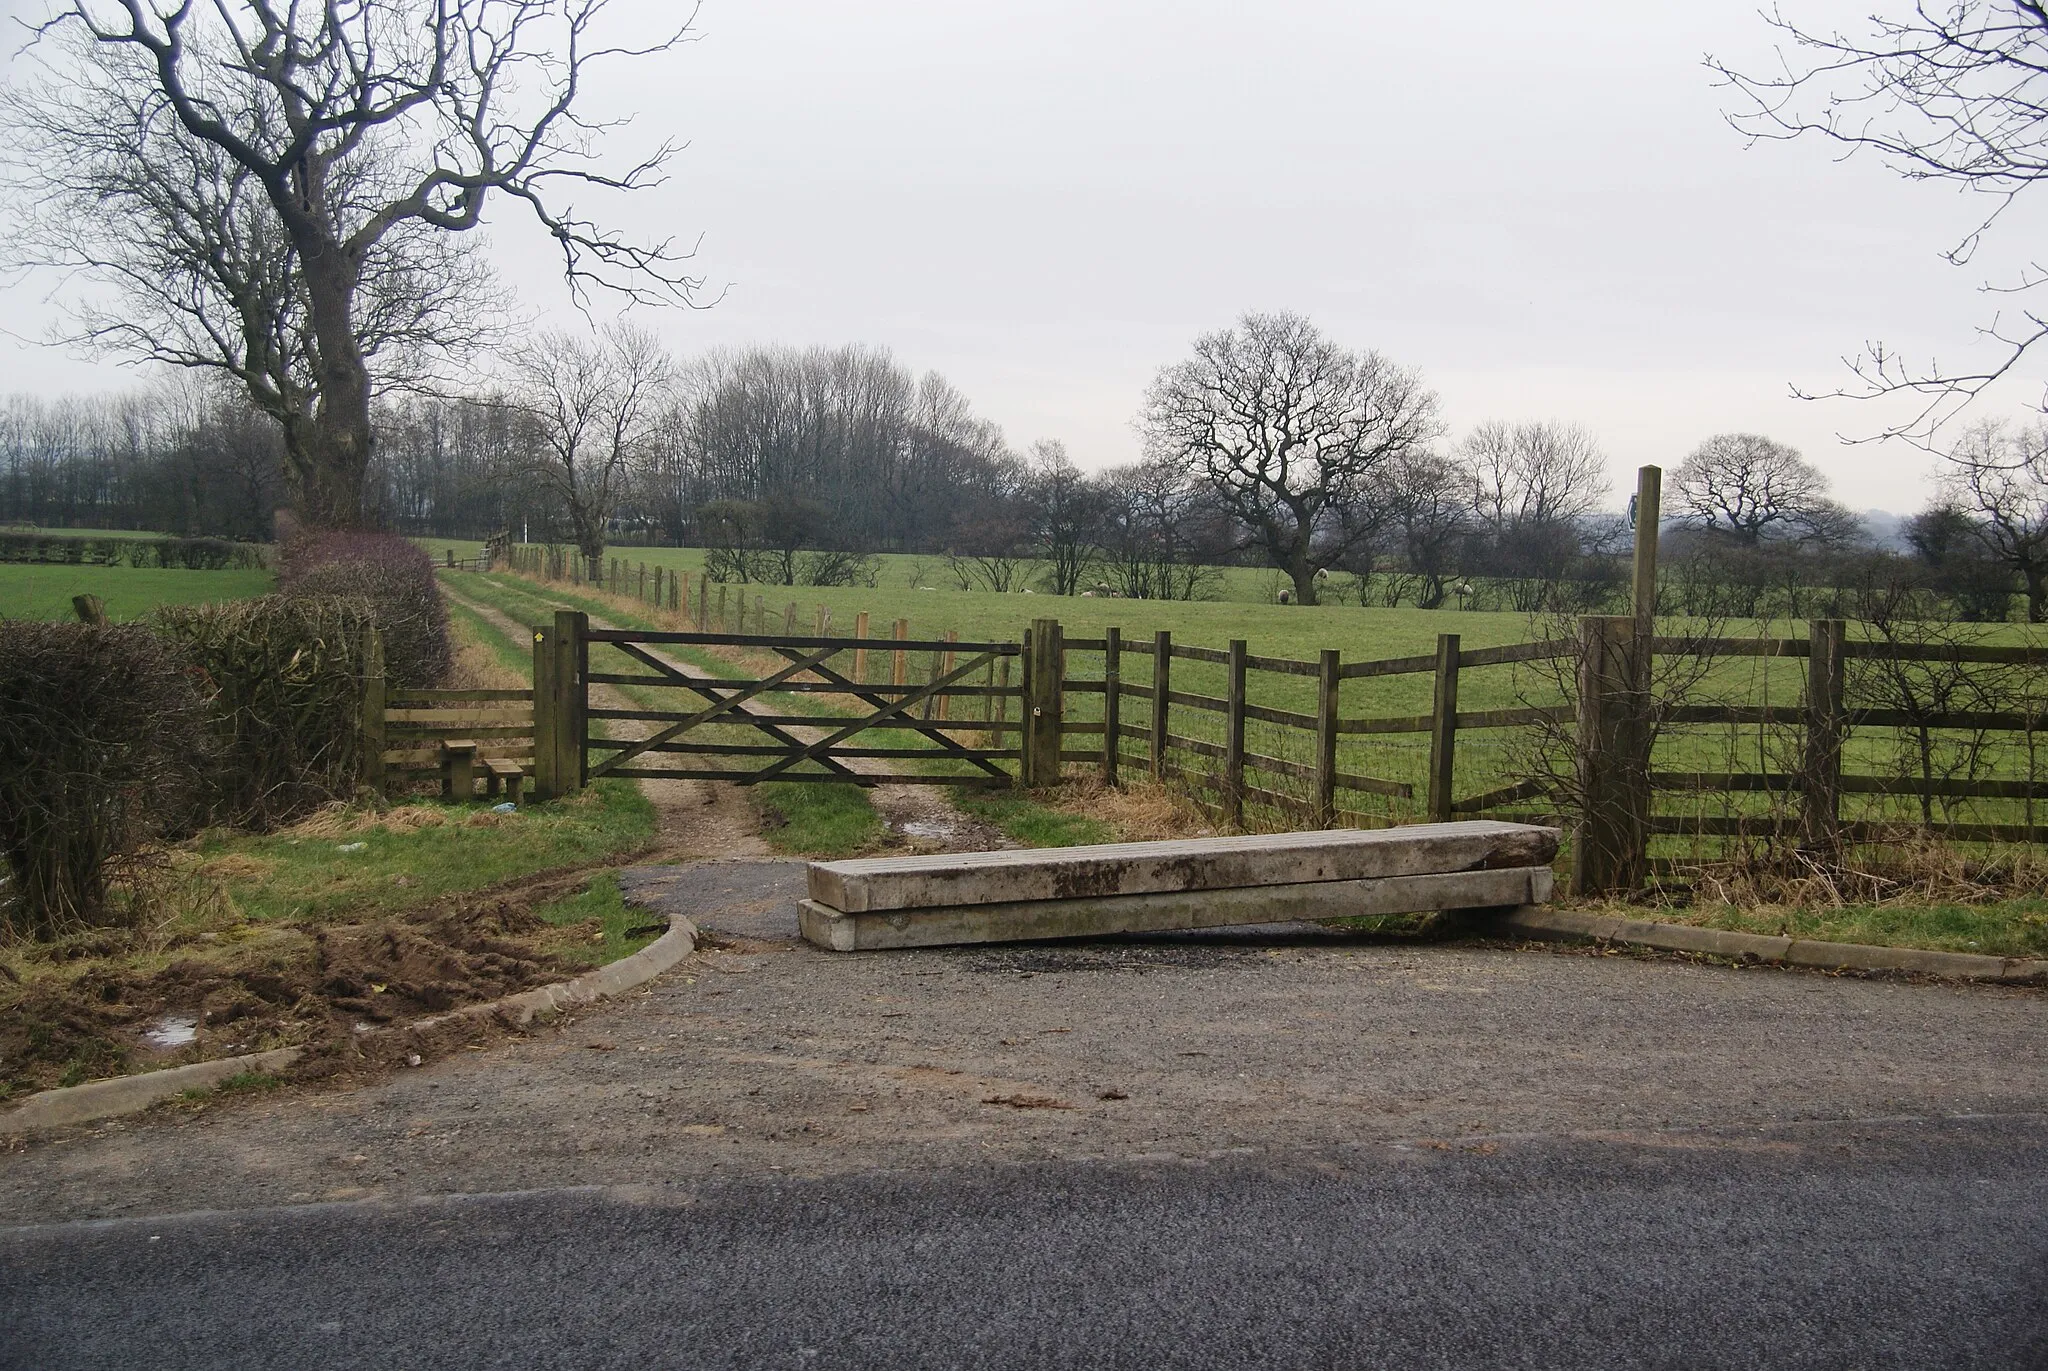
(761, 1056)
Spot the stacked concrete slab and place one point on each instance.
(979, 897)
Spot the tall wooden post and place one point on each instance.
(1112, 700)
(1649, 510)
(899, 665)
(1328, 683)
(547, 720)
(1443, 729)
(1610, 835)
(1162, 680)
(373, 710)
(1233, 742)
(703, 602)
(1821, 768)
(860, 654)
(724, 624)
(1043, 665)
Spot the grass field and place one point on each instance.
(38, 591)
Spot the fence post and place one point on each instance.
(1233, 744)
(899, 666)
(373, 709)
(1610, 833)
(1443, 729)
(1162, 679)
(703, 602)
(1821, 769)
(860, 654)
(546, 717)
(1328, 683)
(90, 609)
(1112, 700)
(1042, 698)
(943, 702)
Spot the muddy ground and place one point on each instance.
(762, 1055)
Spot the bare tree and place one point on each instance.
(1066, 520)
(1532, 486)
(1999, 479)
(1159, 534)
(1288, 429)
(1432, 518)
(199, 277)
(1954, 92)
(325, 136)
(591, 404)
(1749, 490)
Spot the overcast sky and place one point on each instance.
(1540, 206)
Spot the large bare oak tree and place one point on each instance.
(332, 142)
(1292, 433)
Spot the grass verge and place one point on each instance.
(350, 861)
(596, 924)
(2002, 928)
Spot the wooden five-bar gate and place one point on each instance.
(953, 727)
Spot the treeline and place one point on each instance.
(1270, 447)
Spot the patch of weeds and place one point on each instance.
(1033, 823)
(810, 819)
(245, 1081)
(598, 926)
(409, 856)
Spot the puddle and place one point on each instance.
(168, 1033)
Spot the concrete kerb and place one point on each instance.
(1963, 966)
(133, 1094)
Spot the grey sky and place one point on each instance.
(1538, 205)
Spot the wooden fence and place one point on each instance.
(404, 727)
(1611, 726)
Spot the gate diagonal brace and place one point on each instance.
(957, 750)
(726, 706)
(918, 696)
(708, 688)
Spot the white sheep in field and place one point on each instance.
(1286, 597)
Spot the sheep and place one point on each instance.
(1286, 597)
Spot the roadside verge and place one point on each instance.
(132, 1094)
(1565, 924)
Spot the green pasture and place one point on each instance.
(34, 590)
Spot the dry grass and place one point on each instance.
(1142, 810)
(1912, 868)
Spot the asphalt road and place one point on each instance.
(1888, 1244)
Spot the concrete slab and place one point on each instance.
(1018, 921)
(954, 879)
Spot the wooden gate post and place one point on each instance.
(546, 716)
(860, 654)
(1112, 702)
(1043, 663)
(1233, 738)
(1162, 680)
(560, 660)
(373, 710)
(1821, 767)
(1610, 835)
(1443, 729)
(1328, 684)
(899, 664)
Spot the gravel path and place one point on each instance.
(763, 1056)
